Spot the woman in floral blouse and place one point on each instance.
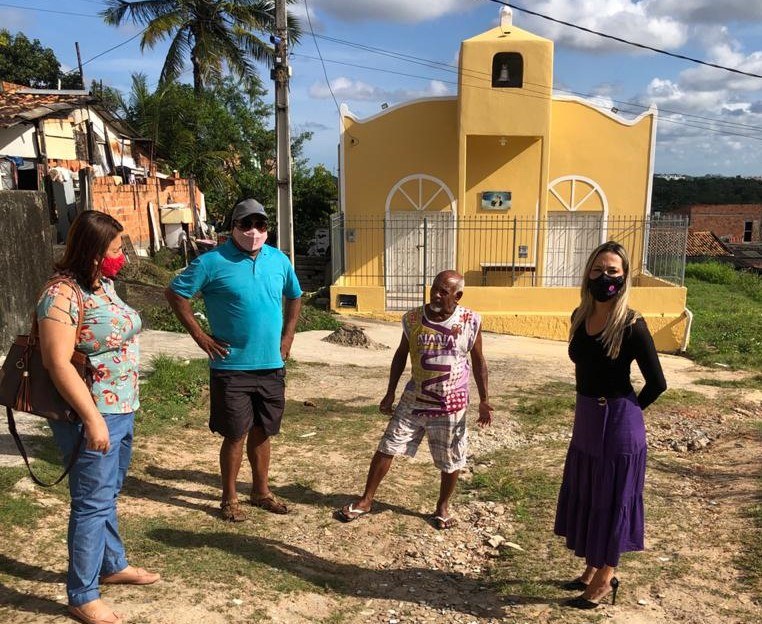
(109, 337)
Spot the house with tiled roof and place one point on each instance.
(67, 144)
(705, 245)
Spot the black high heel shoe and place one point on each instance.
(576, 585)
(583, 603)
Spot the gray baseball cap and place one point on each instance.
(248, 207)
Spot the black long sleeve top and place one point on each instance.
(598, 375)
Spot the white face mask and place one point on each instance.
(251, 240)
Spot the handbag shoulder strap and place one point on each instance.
(72, 458)
(34, 334)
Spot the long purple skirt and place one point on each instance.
(600, 505)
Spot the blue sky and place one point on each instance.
(710, 120)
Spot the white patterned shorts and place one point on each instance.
(447, 436)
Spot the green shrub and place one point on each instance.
(313, 318)
(713, 272)
(741, 282)
(169, 259)
(146, 272)
(162, 318)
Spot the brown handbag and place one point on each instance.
(26, 386)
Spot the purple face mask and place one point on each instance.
(604, 287)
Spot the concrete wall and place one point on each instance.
(542, 312)
(25, 259)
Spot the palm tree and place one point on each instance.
(216, 34)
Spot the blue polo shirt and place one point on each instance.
(244, 301)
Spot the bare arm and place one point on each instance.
(57, 341)
(293, 307)
(481, 376)
(184, 312)
(399, 361)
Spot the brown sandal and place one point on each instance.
(270, 503)
(231, 511)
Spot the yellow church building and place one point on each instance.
(508, 184)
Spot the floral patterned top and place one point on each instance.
(109, 337)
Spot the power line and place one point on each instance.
(325, 73)
(441, 66)
(531, 94)
(26, 8)
(627, 41)
(118, 45)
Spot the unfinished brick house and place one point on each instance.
(66, 143)
(731, 223)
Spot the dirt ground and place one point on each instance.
(392, 566)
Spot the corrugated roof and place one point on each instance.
(19, 104)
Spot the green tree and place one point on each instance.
(214, 33)
(110, 98)
(315, 192)
(27, 62)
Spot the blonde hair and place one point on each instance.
(621, 315)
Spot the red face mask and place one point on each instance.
(111, 266)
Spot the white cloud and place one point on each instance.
(628, 19)
(404, 11)
(722, 49)
(356, 90)
(299, 11)
(706, 11)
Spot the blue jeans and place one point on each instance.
(95, 548)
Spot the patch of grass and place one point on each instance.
(530, 490)
(727, 321)
(171, 395)
(750, 560)
(720, 273)
(332, 422)
(541, 410)
(526, 488)
(16, 509)
(19, 508)
(194, 550)
(753, 383)
(679, 398)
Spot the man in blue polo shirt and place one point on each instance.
(243, 283)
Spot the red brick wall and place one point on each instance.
(726, 220)
(128, 203)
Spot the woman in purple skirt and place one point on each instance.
(600, 505)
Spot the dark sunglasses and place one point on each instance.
(250, 223)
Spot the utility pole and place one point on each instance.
(280, 74)
(79, 64)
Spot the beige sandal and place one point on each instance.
(95, 616)
(131, 576)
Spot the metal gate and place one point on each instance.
(571, 239)
(418, 246)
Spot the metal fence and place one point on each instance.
(405, 251)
